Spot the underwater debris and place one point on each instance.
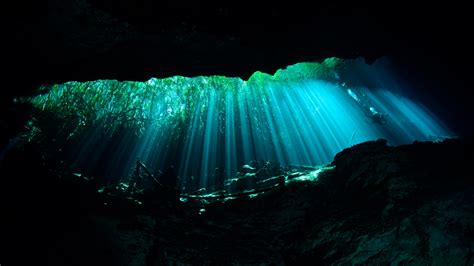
(252, 174)
(236, 187)
(142, 186)
(261, 177)
(250, 168)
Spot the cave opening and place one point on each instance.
(214, 133)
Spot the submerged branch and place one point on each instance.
(239, 194)
(148, 172)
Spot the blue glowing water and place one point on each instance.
(303, 121)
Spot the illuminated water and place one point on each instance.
(208, 127)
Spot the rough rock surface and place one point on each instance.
(55, 41)
(379, 205)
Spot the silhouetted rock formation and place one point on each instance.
(411, 204)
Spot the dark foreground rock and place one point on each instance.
(379, 205)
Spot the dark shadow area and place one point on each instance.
(379, 204)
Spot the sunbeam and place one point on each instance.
(208, 127)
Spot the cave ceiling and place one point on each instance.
(56, 41)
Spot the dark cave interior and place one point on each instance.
(375, 204)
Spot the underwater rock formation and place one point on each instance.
(376, 204)
(206, 127)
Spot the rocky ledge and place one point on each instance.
(374, 205)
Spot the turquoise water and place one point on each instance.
(208, 127)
